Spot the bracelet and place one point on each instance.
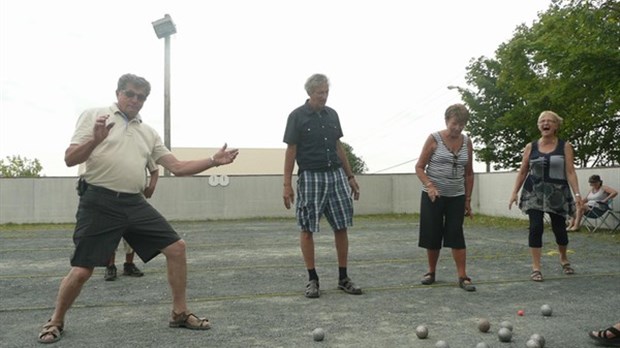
(213, 162)
(577, 195)
(350, 177)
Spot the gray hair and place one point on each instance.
(315, 81)
(137, 81)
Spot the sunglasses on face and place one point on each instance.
(131, 94)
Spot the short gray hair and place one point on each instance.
(132, 79)
(315, 81)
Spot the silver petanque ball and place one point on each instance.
(421, 331)
(318, 334)
(504, 335)
(482, 345)
(532, 344)
(442, 344)
(546, 310)
(506, 324)
(539, 338)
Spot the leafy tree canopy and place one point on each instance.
(568, 61)
(358, 166)
(16, 166)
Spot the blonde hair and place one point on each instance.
(555, 117)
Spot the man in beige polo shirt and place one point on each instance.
(115, 146)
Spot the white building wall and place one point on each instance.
(54, 199)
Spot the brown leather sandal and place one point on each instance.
(51, 329)
(189, 321)
(567, 269)
(536, 276)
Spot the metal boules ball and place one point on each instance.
(539, 338)
(318, 334)
(506, 324)
(442, 344)
(484, 325)
(504, 335)
(532, 344)
(421, 331)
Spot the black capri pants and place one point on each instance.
(558, 225)
(442, 221)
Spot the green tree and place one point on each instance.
(568, 62)
(358, 166)
(16, 166)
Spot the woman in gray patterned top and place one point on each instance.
(445, 169)
(546, 172)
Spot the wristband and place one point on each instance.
(213, 162)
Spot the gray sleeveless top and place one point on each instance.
(446, 169)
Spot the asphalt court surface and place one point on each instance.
(248, 278)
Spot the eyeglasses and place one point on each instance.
(131, 94)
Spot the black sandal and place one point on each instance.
(602, 336)
(469, 286)
(428, 278)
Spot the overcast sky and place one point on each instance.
(238, 68)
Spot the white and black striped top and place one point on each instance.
(446, 170)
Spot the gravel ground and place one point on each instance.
(248, 278)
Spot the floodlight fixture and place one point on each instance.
(164, 27)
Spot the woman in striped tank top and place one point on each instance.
(446, 172)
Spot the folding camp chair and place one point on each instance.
(598, 216)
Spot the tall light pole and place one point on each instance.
(164, 27)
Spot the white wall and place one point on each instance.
(54, 200)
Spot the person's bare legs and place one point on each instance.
(433, 257)
(576, 222)
(460, 258)
(536, 254)
(129, 257)
(112, 260)
(69, 290)
(306, 243)
(563, 254)
(177, 274)
(341, 239)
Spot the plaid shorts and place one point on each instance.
(324, 192)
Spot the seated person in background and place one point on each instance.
(594, 203)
